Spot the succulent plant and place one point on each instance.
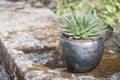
(83, 26)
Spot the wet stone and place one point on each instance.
(30, 47)
(109, 65)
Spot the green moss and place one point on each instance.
(38, 67)
(32, 50)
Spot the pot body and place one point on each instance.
(81, 56)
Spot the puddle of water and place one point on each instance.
(40, 59)
(50, 58)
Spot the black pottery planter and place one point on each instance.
(81, 55)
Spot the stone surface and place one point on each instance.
(18, 16)
(109, 65)
(30, 52)
(29, 47)
(3, 74)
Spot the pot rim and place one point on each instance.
(74, 40)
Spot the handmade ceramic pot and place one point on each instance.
(81, 55)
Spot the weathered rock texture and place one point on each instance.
(3, 74)
(29, 48)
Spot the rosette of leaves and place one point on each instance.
(83, 26)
